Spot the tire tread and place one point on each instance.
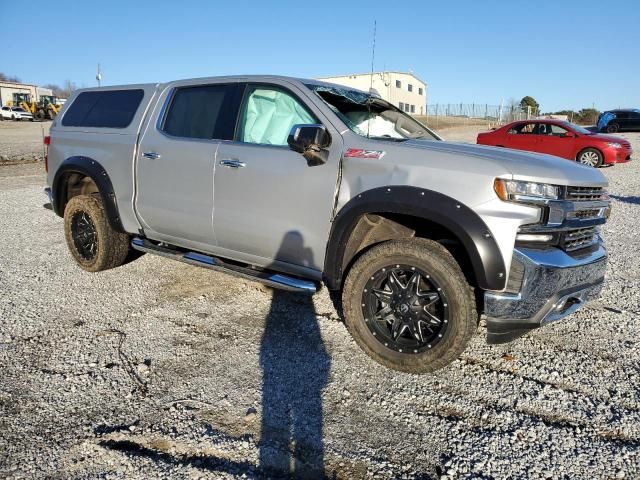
(467, 318)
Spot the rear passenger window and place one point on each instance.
(103, 109)
(205, 111)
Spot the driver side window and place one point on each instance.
(268, 115)
(556, 130)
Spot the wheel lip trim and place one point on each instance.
(387, 341)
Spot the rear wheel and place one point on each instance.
(590, 157)
(408, 305)
(613, 128)
(92, 242)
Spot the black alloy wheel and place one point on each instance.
(405, 308)
(85, 235)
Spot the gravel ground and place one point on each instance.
(22, 141)
(163, 370)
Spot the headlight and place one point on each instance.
(518, 191)
(614, 145)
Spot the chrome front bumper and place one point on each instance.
(554, 285)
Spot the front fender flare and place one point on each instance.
(90, 168)
(474, 235)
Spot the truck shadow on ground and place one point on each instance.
(295, 369)
(204, 462)
(633, 199)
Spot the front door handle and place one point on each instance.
(151, 155)
(232, 163)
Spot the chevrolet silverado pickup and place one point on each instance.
(297, 183)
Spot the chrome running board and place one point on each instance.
(271, 279)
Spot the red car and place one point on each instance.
(559, 138)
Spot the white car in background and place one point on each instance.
(15, 113)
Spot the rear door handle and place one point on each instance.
(232, 163)
(151, 155)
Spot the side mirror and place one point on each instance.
(311, 141)
(569, 135)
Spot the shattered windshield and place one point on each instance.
(371, 116)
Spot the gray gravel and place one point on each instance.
(22, 141)
(162, 370)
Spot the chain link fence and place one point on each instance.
(442, 115)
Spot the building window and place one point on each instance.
(420, 92)
(410, 87)
(401, 106)
(407, 108)
(413, 109)
(398, 84)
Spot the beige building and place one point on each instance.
(10, 90)
(402, 89)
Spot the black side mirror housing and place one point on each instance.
(311, 141)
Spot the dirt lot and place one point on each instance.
(162, 370)
(22, 141)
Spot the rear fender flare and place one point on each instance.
(92, 169)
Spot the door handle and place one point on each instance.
(232, 163)
(151, 155)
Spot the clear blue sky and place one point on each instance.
(564, 53)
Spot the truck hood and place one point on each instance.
(534, 167)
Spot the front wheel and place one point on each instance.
(94, 245)
(408, 305)
(590, 157)
(613, 128)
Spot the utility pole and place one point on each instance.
(99, 76)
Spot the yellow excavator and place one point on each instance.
(23, 100)
(45, 109)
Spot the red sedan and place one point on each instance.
(559, 138)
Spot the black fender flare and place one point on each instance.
(474, 235)
(90, 168)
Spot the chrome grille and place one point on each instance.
(578, 238)
(585, 193)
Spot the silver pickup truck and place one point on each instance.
(295, 183)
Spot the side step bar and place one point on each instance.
(271, 279)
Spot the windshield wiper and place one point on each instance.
(392, 139)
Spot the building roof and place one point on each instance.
(19, 84)
(374, 73)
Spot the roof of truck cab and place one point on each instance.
(262, 78)
(235, 78)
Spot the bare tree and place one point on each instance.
(8, 78)
(62, 92)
